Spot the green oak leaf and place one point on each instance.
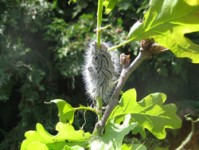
(150, 113)
(167, 21)
(65, 111)
(114, 134)
(67, 132)
(66, 136)
(37, 146)
(109, 5)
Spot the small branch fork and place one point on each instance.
(190, 135)
(148, 47)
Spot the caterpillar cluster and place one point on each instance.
(100, 71)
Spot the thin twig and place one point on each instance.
(190, 135)
(148, 47)
(188, 138)
(99, 108)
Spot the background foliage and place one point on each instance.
(41, 49)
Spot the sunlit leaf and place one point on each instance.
(37, 146)
(109, 5)
(67, 132)
(114, 134)
(167, 21)
(66, 136)
(150, 113)
(73, 148)
(66, 111)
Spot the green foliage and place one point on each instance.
(68, 50)
(109, 5)
(66, 137)
(167, 21)
(35, 65)
(129, 115)
(149, 113)
(66, 111)
(114, 135)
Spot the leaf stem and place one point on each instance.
(86, 108)
(99, 21)
(99, 108)
(120, 45)
(98, 31)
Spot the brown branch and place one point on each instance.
(126, 72)
(148, 47)
(190, 135)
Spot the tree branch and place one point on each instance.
(126, 72)
(190, 135)
(148, 47)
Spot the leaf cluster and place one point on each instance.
(129, 116)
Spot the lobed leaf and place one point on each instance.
(150, 113)
(67, 137)
(72, 135)
(65, 111)
(167, 21)
(114, 134)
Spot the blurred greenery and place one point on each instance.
(42, 44)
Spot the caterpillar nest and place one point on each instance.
(100, 71)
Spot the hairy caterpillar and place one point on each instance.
(100, 71)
